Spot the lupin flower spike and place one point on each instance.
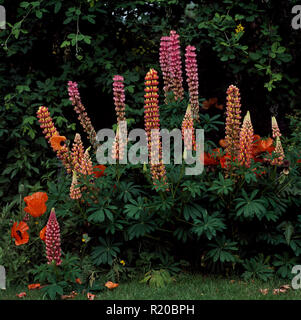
(175, 67)
(164, 59)
(119, 101)
(187, 126)
(75, 192)
(81, 111)
(50, 132)
(77, 153)
(246, 141)
(86, 164)
(192, 80)
(275, 128)
(232, 121)
(53, 239)
(279, 153)
(152, 126)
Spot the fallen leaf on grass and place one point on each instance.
(264, 291)
(69, 296)
(276, 291)
(285, 287)
(21, 294)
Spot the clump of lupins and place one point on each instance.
(152, 127)
(119, 101)
(53, 240)
(81, 111)
(50, 131)
(188, 133)
(233, 117)
(175, 66)
(246, 141)
(192, 80)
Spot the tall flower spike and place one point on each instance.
(53, 239)
(175, 67)
(119, 101)
(275, 128)
(232, 121)
(86, 164)
(152, 127)
(246, 141)
(192, 80)
(187, 125)
(164, 59)
(279, 153)
(50, 132)
(81, 111)
(75, 192)
(77, 153)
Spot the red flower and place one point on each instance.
(100, 169)
(224, 160)
(18, 232)
(43, 234)
(21, 294)
(34, 286)
(36, 204)
(211, 159)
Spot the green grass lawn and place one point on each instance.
(185, 287)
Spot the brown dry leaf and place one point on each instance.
(232, 281)
(264, 291)
(276, 291)
(67, 296)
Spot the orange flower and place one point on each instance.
(111, 285)
(99, 172)
(21, 294)
(18, 232)
(43, 234)
(211, 159)
(36, 204)
(56, 142)
(222, 143)
(78, 281)
(34, 286)
(224, 160)
(90, 296)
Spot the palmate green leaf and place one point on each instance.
(135, 209)
(192, 211)
(222, 186)
(249, 206)
(128, 191)
(222, 250)
(208, 225)
(106, 252)
(138, 230)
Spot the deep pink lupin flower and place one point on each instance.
(164, 59)
(175, 66)
(119, 101)
(232, 121)
(246, 141)
(49, 130)
(192, 80)
(81, 111)
(152, 127)
(53, 239)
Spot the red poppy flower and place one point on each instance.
(78, 281)
(43, 234)
(18, 232)
(224, 161)
(100, 169)
(36, 204)
(56, 142)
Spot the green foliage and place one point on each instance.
(157, 278)
(257, 267)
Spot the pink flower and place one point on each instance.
(192, 80)
(164, 60)
(75, 192)
(53, 240)
(187, 125)
(77, 153)
(175, 66)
